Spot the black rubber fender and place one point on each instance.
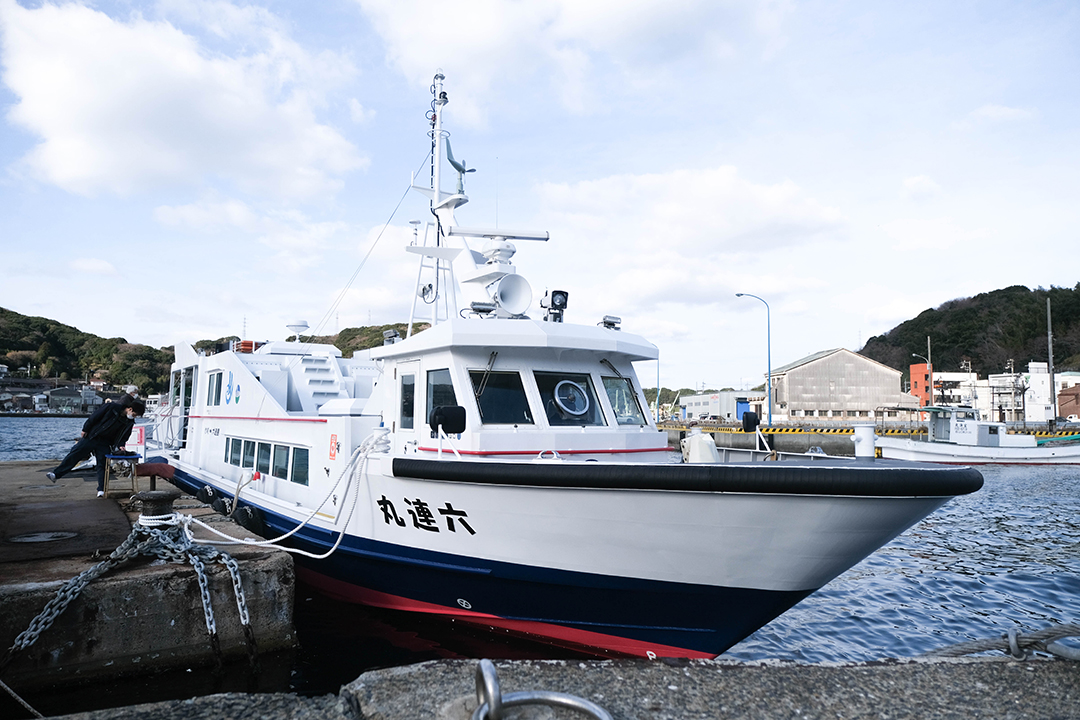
(250, 518)
(206, 495)
(750, 421)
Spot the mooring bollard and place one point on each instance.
(157, 502)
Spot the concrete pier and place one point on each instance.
(140, 618)
(999, 688)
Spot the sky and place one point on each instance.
(192, 169)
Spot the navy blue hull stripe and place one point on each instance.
(702, 618)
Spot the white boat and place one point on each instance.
(958, 435)
(500, 468)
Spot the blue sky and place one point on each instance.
(181, 170)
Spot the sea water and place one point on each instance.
(1005, 557)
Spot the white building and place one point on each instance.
(723, 406)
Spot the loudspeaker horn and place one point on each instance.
(513, 294)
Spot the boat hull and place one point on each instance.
(628, 560)
(950, 453)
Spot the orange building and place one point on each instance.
(920, 383)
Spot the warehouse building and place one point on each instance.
(836, 385)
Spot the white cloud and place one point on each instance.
(992, 114)
(934, 233)
(1000, 113)
(209, 216)
(687, 234)
(568, 46)
(919, 187)
(92, 266)
(127, 105)
(295, 239)
(358, 112)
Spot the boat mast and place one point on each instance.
(436, 157)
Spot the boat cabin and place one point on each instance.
(962, 425)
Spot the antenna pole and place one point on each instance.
(440, 103)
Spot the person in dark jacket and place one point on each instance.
(108, 428)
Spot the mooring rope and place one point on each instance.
(1016, 644)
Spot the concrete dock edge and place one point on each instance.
(986, 687)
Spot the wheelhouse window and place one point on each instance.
(501, 398)
(440, 390)
(624, 401)
(408, 401)
(213, 393)
(568, 398)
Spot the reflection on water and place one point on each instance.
(1005, 557)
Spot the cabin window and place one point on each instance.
(234, 452)
(408, 401)
(262, 458)
(624, 402)
(248, 460)
(501, 398)
(213, 394)
(300, 466)
(440, 390)
(568, 398)
(280, 468)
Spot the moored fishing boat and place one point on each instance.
(958, 435)
(501, 469)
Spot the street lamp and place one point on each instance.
(768, 349)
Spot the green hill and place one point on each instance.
(987, 330)
(49, 349)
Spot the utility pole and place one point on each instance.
(930, 368)
(1050, 349)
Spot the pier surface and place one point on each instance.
(141, 617)
(999, 688)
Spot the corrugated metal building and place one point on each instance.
(838, 385)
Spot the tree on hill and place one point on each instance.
(987, 330)
(55, 350)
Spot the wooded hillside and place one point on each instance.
(49, 349)
(987, 330)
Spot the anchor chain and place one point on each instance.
(492, 702)
(162, 537)
(1018, 645)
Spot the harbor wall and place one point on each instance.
(136, 618)
(793, 441)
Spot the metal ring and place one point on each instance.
(488, 693)
(543, 697)
(1014, 645)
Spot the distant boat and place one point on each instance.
(957, 435)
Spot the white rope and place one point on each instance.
(159, 520)
(377, 442)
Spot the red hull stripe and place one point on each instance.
(557, 634)
(264, 419)
(537, 452)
